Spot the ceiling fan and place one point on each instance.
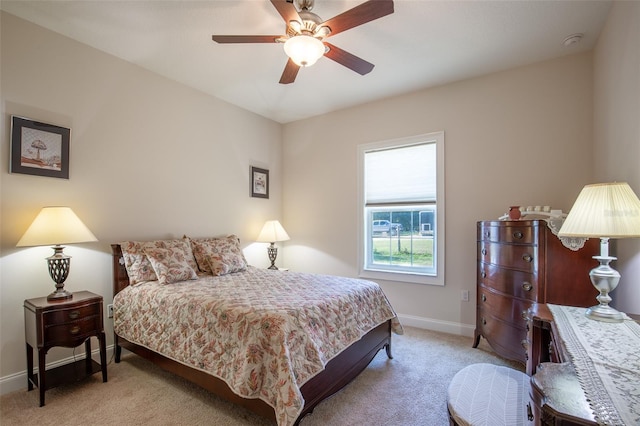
(306, 32)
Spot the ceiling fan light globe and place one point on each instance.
(304, 50)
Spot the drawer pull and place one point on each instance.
(526, 286)
(484, 298)
(518, 235)
(529, 412)
(74, 330)
(487, 234)
(74, 315)
(525, 315)
(483, 251)
(527, 257)
(525, 344)
(483, 274)
(484, 321)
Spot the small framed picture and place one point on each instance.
(39, 148)
(259, 182)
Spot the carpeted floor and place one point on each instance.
(408, 390)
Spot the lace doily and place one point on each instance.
(572, 243)
(606, 361)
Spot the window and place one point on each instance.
(401, 189)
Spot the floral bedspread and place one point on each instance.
(265, 333)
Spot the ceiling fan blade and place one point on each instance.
(245, 38)
(287, 10)
(290, 72)
(361, 14)
(347, 59)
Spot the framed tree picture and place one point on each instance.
(259, 182)
(39, 148)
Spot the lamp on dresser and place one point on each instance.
(272, 232)
(605, 211)
(55, 226)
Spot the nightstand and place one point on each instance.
(68, 324)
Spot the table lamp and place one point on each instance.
(272, 232)
(604, 210)
(56, 226)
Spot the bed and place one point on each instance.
(275, 342)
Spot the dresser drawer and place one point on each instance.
(505, 338)
(522, 258)
(503, 307)
(523, 285)
(70, 333)
(72, 314)
(508, 234)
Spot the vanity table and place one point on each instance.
(583, 372)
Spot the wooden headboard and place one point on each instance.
(120, 276)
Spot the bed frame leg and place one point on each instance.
(387, 347)
(117, 348)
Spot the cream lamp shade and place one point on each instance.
(604, 210)
(55, 226)
(304, 49)
(272, 232)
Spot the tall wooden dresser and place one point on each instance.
(521, 262)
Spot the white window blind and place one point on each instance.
(392, 175)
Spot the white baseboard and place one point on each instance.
(438, 325)
(18, 381)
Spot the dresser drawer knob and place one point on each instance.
(525, 344)
(525, 315)
(483, 251)
(526, 286)
(484, 321)
(484, 298)
(518, 235)
(74, 330)
(487, 234)
(527, 257)
(483, 274)
(74, 315)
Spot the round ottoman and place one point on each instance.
(491, 395)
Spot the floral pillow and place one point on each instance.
(170, 265)
(204, 248)
(226, 263)
(139, 267)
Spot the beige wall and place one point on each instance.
(520, 137)
(150, 159)
(142, 144)
(617, 129)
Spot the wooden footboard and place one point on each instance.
(339, 372)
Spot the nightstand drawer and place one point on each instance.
(68, 334)
(73, 314)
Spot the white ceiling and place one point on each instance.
(422, 44)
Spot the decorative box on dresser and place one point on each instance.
(521, 262)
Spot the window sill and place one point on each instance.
(403, 277)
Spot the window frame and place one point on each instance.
(404, 276)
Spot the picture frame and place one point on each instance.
(38, 148)
(259, 182)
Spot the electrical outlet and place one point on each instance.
(110, 310)
(465, 295)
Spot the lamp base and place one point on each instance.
(605, 279)
(59, 295)
(604, 313)
(59, 264)
(272, 252)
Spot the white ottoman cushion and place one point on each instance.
(489, 395)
